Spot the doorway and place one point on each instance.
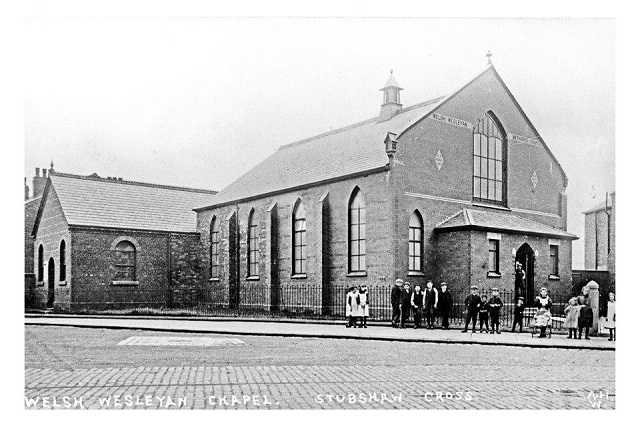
(51, 275)
(526, 257)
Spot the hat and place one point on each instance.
(521, 298)
(407, 283)
(495, 289)
(545, 289)
(443, 284)
(474, 287)
(399, 281)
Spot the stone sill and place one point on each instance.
(490, 206)
(299, 276)
(214, 280)
(357, 274)
(253, 278)
(125, 283)
(40, 284)
(416, 274)
(494, 275)
(62, 283)
(554, 278)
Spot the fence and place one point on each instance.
(293, 301)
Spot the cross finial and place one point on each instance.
(489, 54)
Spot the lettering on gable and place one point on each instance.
(451, 120)
(522, 139)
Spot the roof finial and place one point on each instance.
(391, 71)
(489, 54)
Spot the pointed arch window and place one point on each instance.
(63, 261)
(252, 245)
(214, 248)
(40, 263)
(489, 161)
(125, 261)
(299, 239)
(357, 232)
(415, 242)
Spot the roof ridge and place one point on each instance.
(448, 218)
(135, 183)
(359, 123)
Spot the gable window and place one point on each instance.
(252, 245)
(357, 232)
(415, 242)
(553, 258)
(214, 234)
(299, 239)
(125, 261)
(494, 256)
(40, 263)
(63, 261)
(489, 162)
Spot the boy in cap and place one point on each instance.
(472, 302)
(396, 295)
(416, 305)
(483, 312)
(495, 304)
(444, 305)
(518, 314)
(430, 301)
(405, 304)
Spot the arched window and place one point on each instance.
(40, 263)
(357, 234)
(415, 242)
(489, 161)
(214, 238)
(299, 239)
(63, 261)
(125, 261)
(252, 245)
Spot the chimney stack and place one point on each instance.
(39, 182)
(26, 190)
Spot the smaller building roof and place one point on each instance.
(500, 222)
(114, 203)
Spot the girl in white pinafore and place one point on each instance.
(610, 321)
(363, 305)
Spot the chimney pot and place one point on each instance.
(44, 173)
(37, 171)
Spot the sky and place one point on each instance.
(199, 101)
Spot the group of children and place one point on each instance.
(579, 316)
(480, 306)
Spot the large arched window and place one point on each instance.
(489, 161)
(63, 261)
(299, 239)
(357, 234)
(40, 263)
(125, 261)
(415, 242)
(214, 249)
(252, 245)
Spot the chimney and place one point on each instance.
(39, 182)
(26, 190)
(391, 99)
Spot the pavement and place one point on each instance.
(317, 330)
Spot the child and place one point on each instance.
(518, 314)
(572, 312)
(483, 311)
(416, 305)
(405, 304)
(495, 304)
(472, 302)
(586, 313)
(543, 315)
(430, 300)
(352, 307)
(610, 322)
(445, 300)
(363, 305)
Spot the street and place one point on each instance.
(70, 367)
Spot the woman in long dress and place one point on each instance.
(610, 321)
(543, 315)
(586, 313)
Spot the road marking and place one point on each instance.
(180, 341)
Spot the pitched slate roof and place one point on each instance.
(597, 207)
(94, 201)
(501, 222)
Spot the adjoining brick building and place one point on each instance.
(600, 236)
(108, 242)
(454, 189)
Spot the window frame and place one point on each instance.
(63, 261)
(494, 256)
(130, 266)
(40, 263)
(490, 128)
(299, 240)
(417, 244)
(360, 231)
(554, 260)
(214, 249)
(253, 262)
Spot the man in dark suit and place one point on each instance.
(472, 302)
(396, 295)
(444, 305)
(430, 302)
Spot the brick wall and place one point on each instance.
(595, 239)
(30, 211)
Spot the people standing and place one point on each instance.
(518, 314)
(483, 312)
(444, 305)
(572, 313)
(363, 305)
(429, 302)
(521, 278)
(495, 304)
(543, 315)
(586, 313)
(405, 305)
(472, 302)
(352, 307)
(610, 321)
(396, 295)
(416, 305)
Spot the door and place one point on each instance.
(51, 274)
(525, 257)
